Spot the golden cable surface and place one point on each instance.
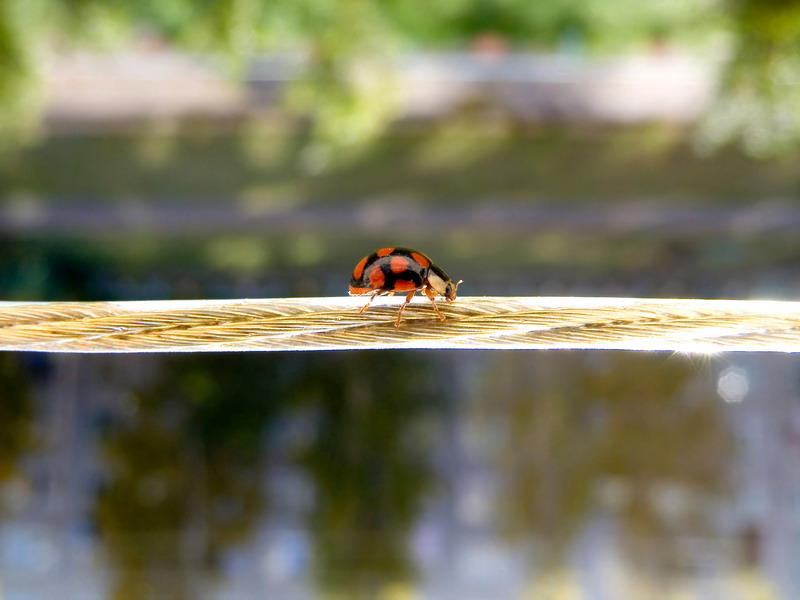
(681, 325)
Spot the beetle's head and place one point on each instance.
(441, 285)
(450, 290)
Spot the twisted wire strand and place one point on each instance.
(335, 324)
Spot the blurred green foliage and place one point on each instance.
(453, 163)
(20, 101)
(759, 103)
(342, 40)
(449, 168)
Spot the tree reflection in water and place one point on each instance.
(637, 440)
(186, 474)
(369, 461)
(16, 416)
(580, 435)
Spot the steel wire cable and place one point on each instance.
(682, 325)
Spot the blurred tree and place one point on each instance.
(349, 45)
(20, 38)
(759, 103)
(186, 472)
(368, 461)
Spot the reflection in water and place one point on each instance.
(369, 461)
(16, 418)
(624, 437)
(601, 475)
(186, 473)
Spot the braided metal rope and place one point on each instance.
(335, 324)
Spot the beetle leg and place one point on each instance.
(371, 298)
(432, 298)
(409, 296)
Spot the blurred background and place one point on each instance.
(243, 148)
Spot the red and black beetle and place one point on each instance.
(391, 270)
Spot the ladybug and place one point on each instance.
(391, 270)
